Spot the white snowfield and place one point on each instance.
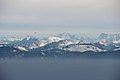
(83, 48)
(21, 48)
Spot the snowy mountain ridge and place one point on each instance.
(68, 42)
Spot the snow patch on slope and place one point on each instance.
(54, 39)
(83, 48)
(21, 48)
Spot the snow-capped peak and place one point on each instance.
(68, 36)
(54, 39)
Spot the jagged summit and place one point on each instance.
(104, 36)
(67, 36)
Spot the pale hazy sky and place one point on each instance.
(56, 16)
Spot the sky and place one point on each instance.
(20, 17)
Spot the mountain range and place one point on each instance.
(58, 45)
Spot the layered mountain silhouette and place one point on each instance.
(64, 44)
